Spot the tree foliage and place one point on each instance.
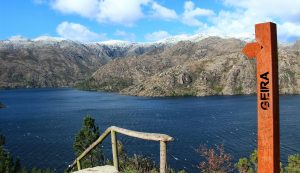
(244, 166)
(293, 164)
(136, 163)
(247, 165)
(88, 134)
(7, 163)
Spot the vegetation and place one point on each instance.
(238, 89)
(293, 164)
(218, 89)
(88, 133)
(216, 160)
(136, 163)
(245, 165)
(111, 84)
(249, 165)
(10, 165)
(182, 93)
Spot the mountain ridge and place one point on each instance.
(212, 66)
(198, 67)
(27, 63)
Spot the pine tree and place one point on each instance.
(88, 134)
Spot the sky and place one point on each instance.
(145, 20)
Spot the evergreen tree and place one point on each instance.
(88, 134)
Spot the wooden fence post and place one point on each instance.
(163, 157)
(265, 51)
(114, 146)
(78, 165)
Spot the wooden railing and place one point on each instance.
(162, 138)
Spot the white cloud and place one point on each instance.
(160, 11)
(244, 14)
(288, 30)
(74, 31)
(278, 9)
(191, 14)
(231, 24)
(158, 35)
(124, 12)
(125, 35)
(85, 8)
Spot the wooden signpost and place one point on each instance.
(265, 51)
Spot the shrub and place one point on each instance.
(293, 164)
(215, 160)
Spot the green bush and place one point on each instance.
(136, 163)
(244, 166)
(293, 164)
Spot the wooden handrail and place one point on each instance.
(141, 135)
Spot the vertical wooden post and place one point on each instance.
(265, 51)
(114, 149)
(78, 165)
(163, 157)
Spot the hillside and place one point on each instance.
(196, 66)
(57, 63)
(212, 66)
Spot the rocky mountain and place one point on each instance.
(210, 66)
(197, 65)
(53, 62)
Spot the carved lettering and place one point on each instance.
(264, 91)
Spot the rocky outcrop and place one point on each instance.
(212, 66)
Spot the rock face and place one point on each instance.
(212, 66)
(44, 63)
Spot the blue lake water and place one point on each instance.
(40, 124)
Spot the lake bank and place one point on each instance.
(184, 94)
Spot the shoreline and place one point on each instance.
(124, 94)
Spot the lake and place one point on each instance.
(40, 124)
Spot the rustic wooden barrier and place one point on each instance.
(113, 130)
(265, 51)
